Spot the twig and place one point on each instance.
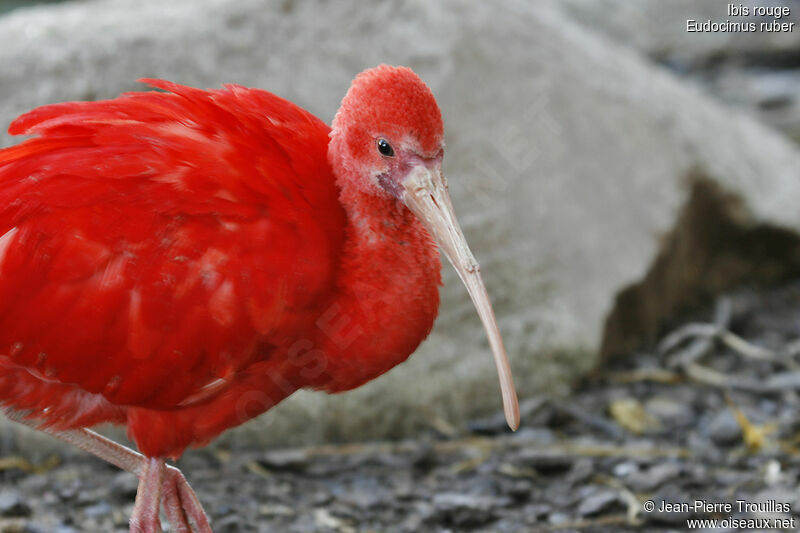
(697, 349)
(593, 421)
(656, 375)
(778, 382)
(723, 312)
(585, 524)
(708, 376)
(631, 501)
(16, 461)
(703, 337)
(692, 330)
(745, 348)
(792, 349)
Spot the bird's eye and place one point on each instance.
(385, 148)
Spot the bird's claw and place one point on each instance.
(183, 509)
(161, 484)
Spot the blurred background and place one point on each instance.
(631, 191)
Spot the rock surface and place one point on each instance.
(570, 159)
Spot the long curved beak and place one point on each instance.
(425, 194)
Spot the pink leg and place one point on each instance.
(180, 502)
(184, 504)
(145, 517)
(172, 506)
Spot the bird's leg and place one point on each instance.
(144, 518)
(173, 508)
(183, 504)
(180, 501)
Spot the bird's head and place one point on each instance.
(388, 140)
(388, 124)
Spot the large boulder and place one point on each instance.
(599, 193)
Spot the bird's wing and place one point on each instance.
(156, 243)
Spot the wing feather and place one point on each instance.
(157, 242)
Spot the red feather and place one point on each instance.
(157, 243)
(181, 261)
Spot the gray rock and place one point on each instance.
(570, 162)
(537, 510)
(466, 510)
(547, 460)
(653, 477)
(599, 502)
(281, 460)
(97, 509)
(724, 430)
(451, 500)
(124, 486)
(558, 518)
(624, 469)
(581, 471)
(230, 524)
(670, 411)
(33, 528)
(12, 505)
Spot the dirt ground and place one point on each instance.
(710, 414)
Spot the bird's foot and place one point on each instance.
(159, 483)
(184, 512)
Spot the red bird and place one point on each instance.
(181, 261)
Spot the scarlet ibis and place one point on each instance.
(180, 261)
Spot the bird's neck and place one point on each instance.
(388, 293)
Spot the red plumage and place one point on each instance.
(161, 256)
